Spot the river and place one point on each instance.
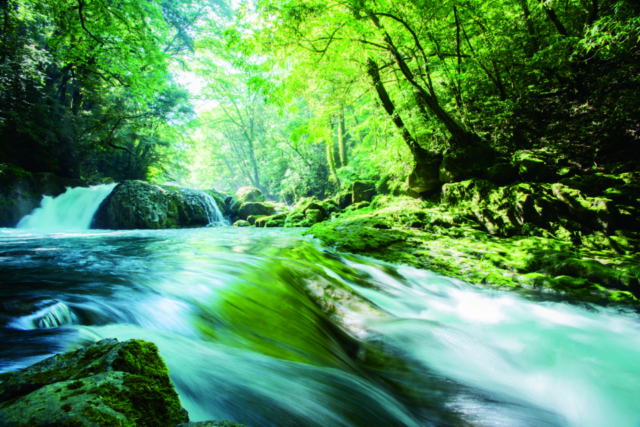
(269, 328)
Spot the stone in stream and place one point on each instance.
(255, 208)
(106, 384)
(141, 205)
(245, 195)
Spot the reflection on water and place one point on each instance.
(270, 329)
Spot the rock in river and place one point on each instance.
(106, 384)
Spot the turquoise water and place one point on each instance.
(268, 328)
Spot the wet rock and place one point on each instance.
(242, 223)
(22, 191)
(108, 383)
(363, 191)
(140, 205)
(255, 208)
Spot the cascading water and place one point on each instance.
(72, 210)
(213, 211)
(267, 328)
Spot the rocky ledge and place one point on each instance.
(103, 385)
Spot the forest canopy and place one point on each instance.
(303, 97)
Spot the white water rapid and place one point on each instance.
(216, 218)
(72, 210)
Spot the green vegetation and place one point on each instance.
(106, 384)
(495, 141)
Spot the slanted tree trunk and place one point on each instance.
(425, 100)
(425, 172)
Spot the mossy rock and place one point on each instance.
(141, 205)
(242, 223)
(358, 234)
(106, 384)
(314, 216)
(255, 208)
(252, 218)
(249, 194)
(271, 221)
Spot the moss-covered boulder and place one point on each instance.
(298, 216)
(249, 194)
(106, 384)
(253, 218)
(360, 234)
(255, 208)
(244, 195)
(343, 199)
(242, 223)
(140, 205)
(271, 221)
(21, 191)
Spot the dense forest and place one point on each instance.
(338, 213)
(301, 98)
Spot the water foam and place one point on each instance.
(72, 210)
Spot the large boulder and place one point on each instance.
(22, 191)
(255, 208)
(271, 221)
(250, 194)
(108, 383)
(140, 205)
(244, 195)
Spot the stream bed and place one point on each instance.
(269, 328)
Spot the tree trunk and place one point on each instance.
(343, 139)
(459, 134)
(551, 14)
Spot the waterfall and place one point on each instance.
(216, 218)
(72, 210)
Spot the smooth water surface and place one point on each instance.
(268, 328)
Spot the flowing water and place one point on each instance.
(269, 328)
